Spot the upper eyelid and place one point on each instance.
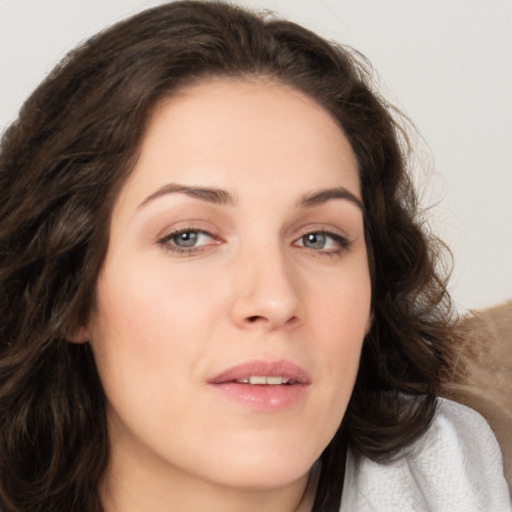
(341, 240)
(338, 238)
(179, 231)
(183, 227)
(328, 229)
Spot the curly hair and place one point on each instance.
(62, 164)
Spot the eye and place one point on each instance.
(186, 240)
(323, 241)
(190, 238)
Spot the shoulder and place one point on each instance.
(456, 466)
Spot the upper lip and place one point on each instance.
(283, 368)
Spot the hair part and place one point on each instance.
(62, 164)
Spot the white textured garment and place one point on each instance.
(455, 467)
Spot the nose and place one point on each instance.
(267, 294)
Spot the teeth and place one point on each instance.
(275, 381)
(261, 380)
(257, 380)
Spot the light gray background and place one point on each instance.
(446, 63)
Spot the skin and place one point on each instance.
(253, 287)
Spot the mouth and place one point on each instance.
(260, 380)
(264, 373)
(263, 385)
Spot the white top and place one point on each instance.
(455, 467)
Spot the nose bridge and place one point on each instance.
(267, 290)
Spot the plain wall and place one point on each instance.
(446, 63)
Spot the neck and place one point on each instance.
(138, 488)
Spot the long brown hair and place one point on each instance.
(62, 164)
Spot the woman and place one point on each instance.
(216, 292)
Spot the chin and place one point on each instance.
(264, 467)
(256, 478)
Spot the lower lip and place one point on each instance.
(264, 397)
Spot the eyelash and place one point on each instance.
(342, 242)
(166, 242)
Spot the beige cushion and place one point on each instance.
(482, 373)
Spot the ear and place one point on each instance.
(80, 335)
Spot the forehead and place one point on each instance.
(243, 134)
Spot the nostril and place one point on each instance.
(258, 318)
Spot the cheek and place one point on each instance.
(341, 303)
(146, 344)
(153, 303)
(340, 317)
(138, 328)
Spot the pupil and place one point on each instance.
(314, 240)
(187, 239)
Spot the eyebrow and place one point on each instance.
(223, 197)
(322, 196)
(208, 194)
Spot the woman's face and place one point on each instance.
(235, 294)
